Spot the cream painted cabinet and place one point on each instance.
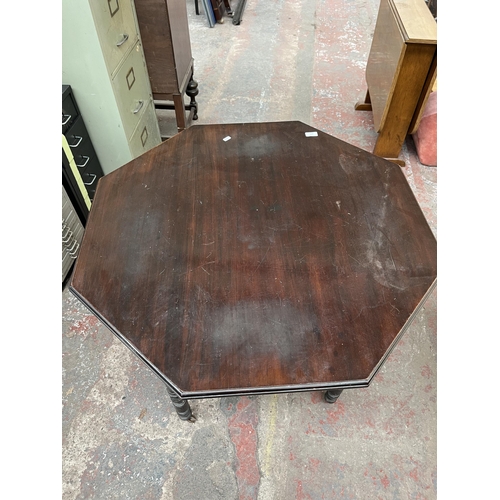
(103, 61)
(116, 28)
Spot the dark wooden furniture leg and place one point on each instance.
(180, 114)
(228, 8)
(181, 406)
(192, 92)
(332, 395)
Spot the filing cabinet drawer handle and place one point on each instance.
(73, 249)
(92, 181)
(66, 237)
(87, 158)
(80, 139)
(68, 118)
(139, 107)
(74, 254)
(123, 40)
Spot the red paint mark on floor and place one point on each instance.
(335, 414)
(300, 492)
(385, 481)
(242, 430)
(314, 463)
(310, 429)
(317, 397)
(370, 422)
(414, 474)
(426, 371)
(81, 326)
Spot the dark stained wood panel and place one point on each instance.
(269, 260)
(164, 33)
(181, 41)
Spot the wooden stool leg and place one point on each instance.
(180, 112)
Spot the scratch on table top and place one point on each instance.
(263, 258)
(370, 307)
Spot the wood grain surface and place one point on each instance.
(416, 21)
(400, 71)
(384, 62)
(164, 30)
(266, 261)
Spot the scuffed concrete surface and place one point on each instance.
(122, 439)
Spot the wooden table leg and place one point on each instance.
(181, 406)
(332, 395)
(180, 112)
(192, 92)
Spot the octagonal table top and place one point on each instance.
(256, 257)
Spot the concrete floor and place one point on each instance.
(301, 60)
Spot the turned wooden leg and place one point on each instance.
(192, 92)
(181, 406)
(332, 395)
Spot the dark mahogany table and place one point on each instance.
(256, 258)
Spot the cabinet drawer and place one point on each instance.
(69, 113)
(72, 233)
(78, 139)
(116, 28)
(90, 176)
(85, 153)
(90, 181)
(132, 91)
(147, 134)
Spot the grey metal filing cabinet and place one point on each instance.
(103, 61)
(72, 234)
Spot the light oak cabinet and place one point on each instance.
(103, 61)
(400, 71)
